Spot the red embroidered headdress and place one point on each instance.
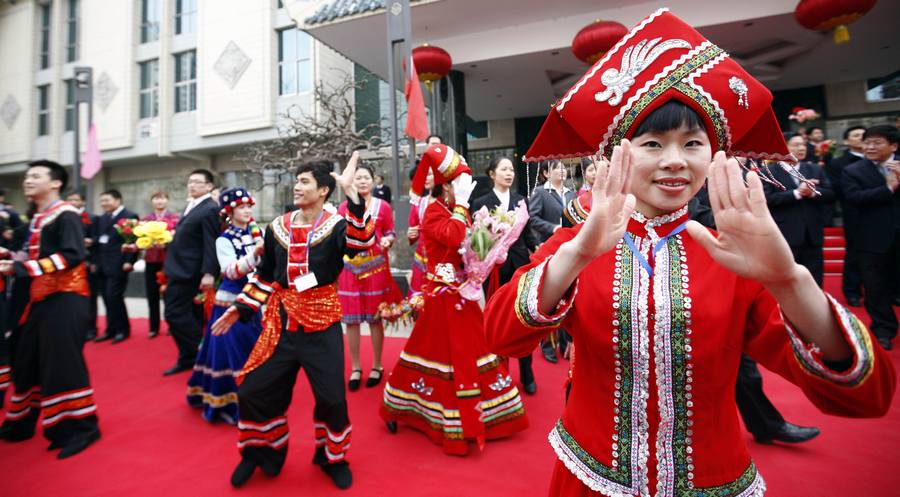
(660, 59)
(444, 161)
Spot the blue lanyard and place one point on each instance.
(656, 248)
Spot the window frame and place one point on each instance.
(149, 27)
(181, 14)
(72, 33)
(70, 105)
(44, 36)
(152, 91)
(188, 85)
(43, 101)
(295, 64)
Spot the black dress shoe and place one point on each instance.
(10, 433)
(78, 445)
(550, 355)
(340, 474)
(391, 426)
(530, 388)
(91, 335)
(118, 338)
(242, 472)
(102, 338)
(176, 369)
(885, 343)
(355, 376)
(374, 377)
(790, 433)
(153, 333)
(896, 300)
(854, 301)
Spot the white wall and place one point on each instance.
(17, 44)
(248, 105)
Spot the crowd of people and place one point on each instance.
(680, 260)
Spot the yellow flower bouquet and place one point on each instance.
(152, 234)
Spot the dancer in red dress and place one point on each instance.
(447, 383)
(660, 308)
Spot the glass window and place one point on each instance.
(72, 35)
(294, 62)
(149, 90)
(149, 20)
(45, 36)
(70, 104)
(185, 16)
(886, 88)
(186, 81)
(43, 110)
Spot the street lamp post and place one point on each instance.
(83, 93)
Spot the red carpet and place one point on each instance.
(154, 445)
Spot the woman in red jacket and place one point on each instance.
(661, 309)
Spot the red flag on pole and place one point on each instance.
(416, 119)
(90, 162)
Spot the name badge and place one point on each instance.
(305, 282)
(104, 239)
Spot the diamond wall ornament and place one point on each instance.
(105, 90)
(231, 64)
(9, 111)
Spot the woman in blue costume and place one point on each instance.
(212, 386)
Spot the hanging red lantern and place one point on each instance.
(827, 15)
(597, 38)
(432, 63)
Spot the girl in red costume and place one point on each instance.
(660, 308)
(446, 383)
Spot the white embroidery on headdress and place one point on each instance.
(738, 86)
(635, 59)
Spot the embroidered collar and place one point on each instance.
(667, 222)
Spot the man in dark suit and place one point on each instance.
(190, 267)
(89, 220)
(852, 278)
(798, 210)
(871, 187)
(113, 266)
(381, 190)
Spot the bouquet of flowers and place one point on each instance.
(154, 234)
(801, 115)
(487, 244)
(125, 229)
(825, 148)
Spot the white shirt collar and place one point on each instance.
(117, 211)
(549, 186)
(503, 197)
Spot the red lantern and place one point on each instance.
(594, 40)
(825, 15)
(432, 63)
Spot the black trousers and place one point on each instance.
(758, 413)
(50, 375)
(851, 282)
(112, 288)
(526, 372)
(812, 258)
(265, 395)
(94, 284)
(151, 288)
(879, 272)
(185, 318)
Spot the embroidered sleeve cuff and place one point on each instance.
(254, 294)
(360, 231)
(51, 264)
(527, 309)
(575, 212)
(241, 267)
(460, 213)
(857, 337)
